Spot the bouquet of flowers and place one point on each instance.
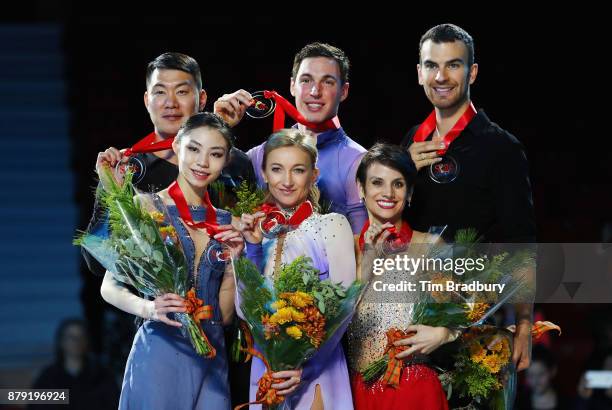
(292, 316)
(483, 371)
(455, 309)
(142, 250)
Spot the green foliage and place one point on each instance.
(249, 199)
(472, 379)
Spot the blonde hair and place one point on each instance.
(305, 141)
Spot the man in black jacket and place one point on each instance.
(471, 172)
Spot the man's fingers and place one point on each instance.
(224, 107)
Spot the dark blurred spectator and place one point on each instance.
(540, 393)
(595, 399)
(91, 386)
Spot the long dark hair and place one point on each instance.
(59, 335)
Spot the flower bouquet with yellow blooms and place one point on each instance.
(290, 316)
(142, 249)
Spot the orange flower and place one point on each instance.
(314, 326)
(477, 353)
(476, 311)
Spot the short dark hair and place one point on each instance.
(448, 33)
(322, 50)
(210, 120)
(175, 61)
(390, 155)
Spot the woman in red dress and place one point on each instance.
(385, 178)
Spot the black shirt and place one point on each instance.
(92, 389)
(160, 174)
(491, 193)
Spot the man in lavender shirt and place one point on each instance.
(319, 83)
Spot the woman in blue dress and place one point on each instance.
(163, 370)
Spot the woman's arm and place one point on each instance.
(226, 295)
(339, 246)
(120, 297)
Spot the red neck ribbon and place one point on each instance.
(275, 217)
(283, 106)
(148, 144)
(429, 125)
(210, 224)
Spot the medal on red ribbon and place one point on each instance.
(215, 253)
(137, 165)
(276, 222)
(395, 242)
(448, 169)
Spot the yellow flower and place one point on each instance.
(298, 299)
(504, 354)
(477, 353)
(281, 316)
(279, 304)
(492, 363)
(157, 216)
(297, 316)
(294, 332)
(168, 231)
(476, 311)
(495, 343)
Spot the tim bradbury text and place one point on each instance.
(428, 286)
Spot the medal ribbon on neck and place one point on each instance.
(429, 125)
(283, 106)
(148, 144)
(210, 223)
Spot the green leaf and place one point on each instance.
(321, 306)
(158, 256)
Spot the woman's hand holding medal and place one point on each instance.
(249, 227)
(377, 234)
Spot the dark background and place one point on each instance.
(538, 77)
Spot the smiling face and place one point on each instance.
(171, 98)
(290, 174)
(445, 75)
(202, 153)
(318, 89)
(385, 193)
